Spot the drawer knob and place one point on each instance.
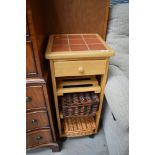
(28, 99)
(39, 137)
(81, 70)
(34, 121)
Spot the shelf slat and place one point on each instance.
(61, 91)
(76, 116)
(76, 83)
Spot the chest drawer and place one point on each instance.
(35, 120)
(35, 97)
(38, 137)
(78, 68)
(30, 61)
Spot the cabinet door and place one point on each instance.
(30, 62)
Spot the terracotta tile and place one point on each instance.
(76, 41)
(93, 41)
(63, 36)
(75, 36)
(96, 47)
(78, 47)
(60, 41)
(60, 48)
(90, 36)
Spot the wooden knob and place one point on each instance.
(39, 137)
(81, 70)
(34, 121)
(28, 99)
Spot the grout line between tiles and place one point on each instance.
(85, 41)
(89, 44)
(68, 43)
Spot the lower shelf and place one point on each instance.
(81, 126)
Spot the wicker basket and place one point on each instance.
(79, 126)
(79, 104)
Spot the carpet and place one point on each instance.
(78, 146)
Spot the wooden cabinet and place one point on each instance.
(40, 123)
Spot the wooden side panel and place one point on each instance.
(55, 96)
(30, 62)
(35, 21)
(77, 16)
(103, 84)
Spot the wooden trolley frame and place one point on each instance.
(64, 66)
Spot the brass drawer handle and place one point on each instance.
(39, 138)
(34, 121)
(81, 70)
(28, 99)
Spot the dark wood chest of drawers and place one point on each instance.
(40, 111)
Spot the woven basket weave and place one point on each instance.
(79, 104)
(79, 126)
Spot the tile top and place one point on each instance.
(77, 42)
(77, 46)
